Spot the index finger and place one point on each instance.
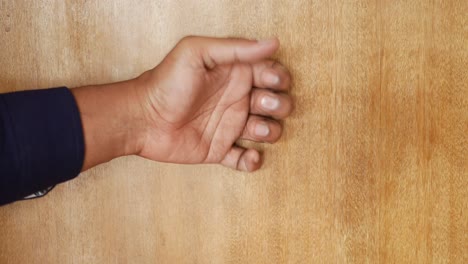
(220, 51)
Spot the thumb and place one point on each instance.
(219, 51)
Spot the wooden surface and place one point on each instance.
(372, 167)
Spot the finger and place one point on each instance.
(271, 74)
(267, 103)
(262, 129)
(242, 159)
(219, 51)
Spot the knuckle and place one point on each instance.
(187, 38)
(271, 63)
(282, 111)
(280, 67)
(288, 103)
(285, 81)
(187, 41)
(278, 131)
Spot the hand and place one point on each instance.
(208, 93)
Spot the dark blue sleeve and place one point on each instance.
(41, 141)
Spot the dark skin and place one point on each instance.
(205, 95)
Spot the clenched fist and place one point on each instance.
(192, 108)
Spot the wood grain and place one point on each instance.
(372, 167)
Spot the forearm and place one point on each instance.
(112, 121)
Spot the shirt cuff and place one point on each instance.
(43, 142)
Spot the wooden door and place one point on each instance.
(372, 166)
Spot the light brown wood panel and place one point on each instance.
(372, 167)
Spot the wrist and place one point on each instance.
(136, 93)
(158, 130)
(130, 115)
(112, 121)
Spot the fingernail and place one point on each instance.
(270, 103)
(271, 78)
(262, 130)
